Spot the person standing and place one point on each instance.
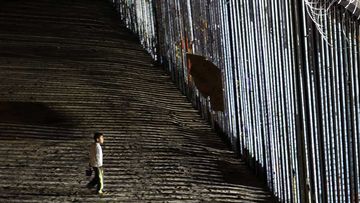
(96, 162)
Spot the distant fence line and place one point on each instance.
(292, 101)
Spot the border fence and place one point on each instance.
(290, 79)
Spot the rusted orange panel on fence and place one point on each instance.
(207, 78)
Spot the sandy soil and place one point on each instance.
(67, 69)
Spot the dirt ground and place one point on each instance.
(68, 69)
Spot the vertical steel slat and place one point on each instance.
(250, 84)
(289, 88)
(220, 61)
(342, 129)
(254, 81)
(264, 97)
(269, 76)
(230, 68)
(256, 84)
(328, 114)
(300, 55)
(272, 112)
(287, 101)
(218, 58)
(235, 64)
(345, 104)
(331, 151)
(313, 78)
(169, 42)
(260, 84)
(226, 58)
(304, 109)
(356, 109)
(320, 86)
(275, 99)
(350, 112)
(331, 128)
(283, 106)
(235, 46)
(238, 116)
(250, 88)
(325, 113)
(281, 112)
(337, 111)
(181, 63)
(268, 80)
(312, 141)
(191, 35)
(269, 116)
(279, 97)
(173, 43)
(348, 119)
(242, 79)
(239, 104)
(243, 82)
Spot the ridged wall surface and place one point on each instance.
(290, 79)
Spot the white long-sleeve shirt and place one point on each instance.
(96, 155)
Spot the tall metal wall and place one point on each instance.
(292, 98)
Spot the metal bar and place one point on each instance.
(292, 101)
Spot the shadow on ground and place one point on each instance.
(30, 113)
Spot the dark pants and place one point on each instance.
(98, 179)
